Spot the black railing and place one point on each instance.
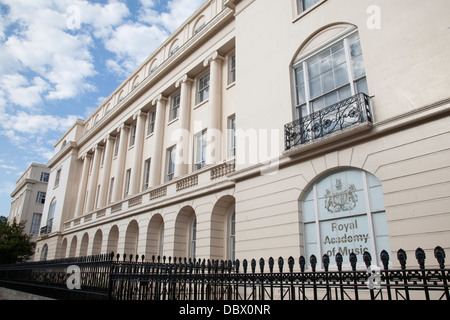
(127, 278)
(46, 229)
(337, 117)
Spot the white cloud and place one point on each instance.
(177, 13)
(132, 44)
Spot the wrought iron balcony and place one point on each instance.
(46, 229)
(337, 117)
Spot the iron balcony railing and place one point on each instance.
(47, 229)
(337, 117)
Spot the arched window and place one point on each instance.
(330, 91)
(344, 212)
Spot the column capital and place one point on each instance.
(138, 114)
(122, 126)
(86, 155)
(159, 98)
(215, 56)
(108, 137)
(183, 79)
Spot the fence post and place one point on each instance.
(368, 261)
(353, 259)
(439, 254)
(401, 256)
(384, 256)
(313, 261)
(339, 259)
(420, 256)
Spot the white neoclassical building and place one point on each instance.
(267, 128)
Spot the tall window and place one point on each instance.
(151, 122)
(203, 88)
(171, 153)
(232, 237)
(199, 150)
(35, 223)
(51, 215)
(44, 177)
(146, 173)
(116, 147)
(58, 177)
(111, 186)
(175, 106)
(40, 199)
(133, 134)
(232, 136)
(192, 238)
(232, 77)
(329, 76)
(344, 213)
(127, 182)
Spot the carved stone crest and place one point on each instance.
(341, 197)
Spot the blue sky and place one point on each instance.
(59, 59)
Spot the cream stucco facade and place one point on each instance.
(189, 157)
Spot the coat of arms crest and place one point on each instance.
(341, 197)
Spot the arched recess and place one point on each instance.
(84, 245)
(342, 211)
(113, 240)
(131, 238)
(185, 233)
(223, 229)
(97, 242)
(73, 247)
(44, 253)
(63, 250)
(155, 237)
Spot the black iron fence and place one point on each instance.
(133, 278)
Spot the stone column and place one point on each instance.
(109, 145)
(214, 134)
(156, 164)
(123, 131)
(182, 152)
(135, 180)
(82, 185)
(94, 179)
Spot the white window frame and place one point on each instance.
(192, 238)
(232, 69)
(40, 197)
(175, 106)
(57, 177)
(203, 88)
(232, 136)
(133, 134)
(35, 223)
(171, 154)
(303, 63)
(200, 150)
(127, 182)
(147, 165)
(151, 122)
(232, 236)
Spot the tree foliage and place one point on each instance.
(15, 244)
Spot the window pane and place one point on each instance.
(341, 75)
(361, 86)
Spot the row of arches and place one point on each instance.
(161, 234)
